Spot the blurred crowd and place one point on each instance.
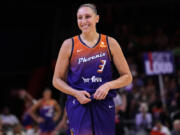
(145, 113)
(139, 108)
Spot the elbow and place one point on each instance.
(54, 82)
(130, 78)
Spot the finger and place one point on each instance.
(95, 95)
(87, 94)
(103, 96)
(98, 95)
(87, 100)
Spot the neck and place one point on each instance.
(90, 36)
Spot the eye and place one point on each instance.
(79, 17)
(87, 16)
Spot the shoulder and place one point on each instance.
(67, 47)
(165, 129)
(113, 45)
(13, 116)
(112, 41)
(68, 43)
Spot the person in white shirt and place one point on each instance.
(143, 119)
(7, 118)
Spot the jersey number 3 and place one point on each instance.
(101, 67)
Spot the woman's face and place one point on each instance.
(47, 94)
(86, 19)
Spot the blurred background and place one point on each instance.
(31, 34)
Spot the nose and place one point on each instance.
(83, 20)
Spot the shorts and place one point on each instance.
(47, 126)
(94, 118)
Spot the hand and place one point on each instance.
(102, 92)
(54, 132)
(55, 118)
(40, 120)
(83, 97)
(22, 94)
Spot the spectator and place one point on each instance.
(143, 119)
(176, 127)
(8, 119)
(17, 130)
(160, 129)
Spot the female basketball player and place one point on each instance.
(87, 59)
(49, 113)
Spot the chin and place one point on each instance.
(85, 31)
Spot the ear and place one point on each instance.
(97, 18)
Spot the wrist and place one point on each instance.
(108, 85)
(74, 93)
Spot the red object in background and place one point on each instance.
(39, 78)
(157, 110)
(156, 133)
(38, 81)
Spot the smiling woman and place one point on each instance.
(88, 58)
(87, 18)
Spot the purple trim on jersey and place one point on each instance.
(72, 48)
(107, 40)
(87, 45)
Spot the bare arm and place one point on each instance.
(61, 68)
(61, 71)
(62, 124)
(33, 109)
(123, 69)
(121, 65)
(58, 111)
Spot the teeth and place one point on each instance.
(86, 26)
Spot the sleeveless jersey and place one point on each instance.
(47, 113)
(47, 110)
(90, 67)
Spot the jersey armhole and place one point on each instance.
(72, 49)
(109, 48)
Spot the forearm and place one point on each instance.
(29, 97)
(33, 115)
(57, 115)
(62, 86)
(122, 81)
(62, 122)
